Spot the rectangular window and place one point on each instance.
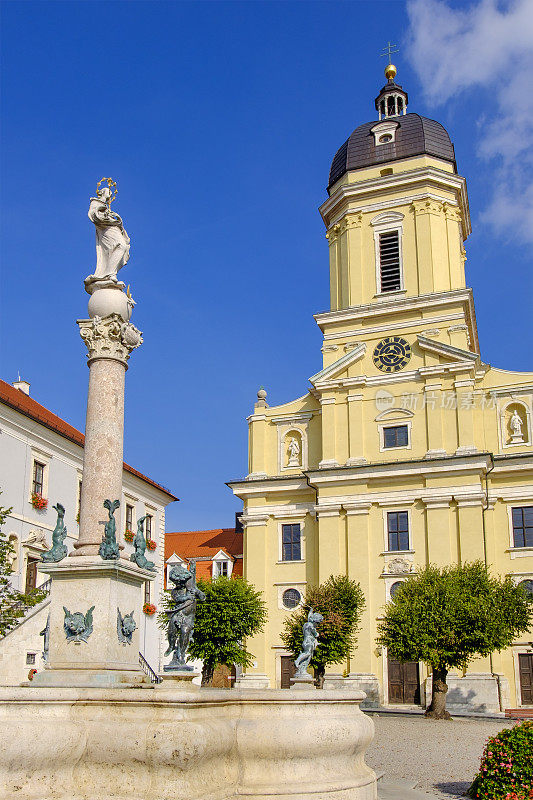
(398, 530)
(396, 436)
(290, 543)
(129, 517)
(523, 526)
(148, 526)
(30, 658)
(38, 477)
(147, 591)
(389, 261)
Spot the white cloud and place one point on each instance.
(486, 46)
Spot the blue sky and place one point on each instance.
(219, 122)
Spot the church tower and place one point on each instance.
(407, 449)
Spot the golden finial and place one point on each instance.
(390, 69)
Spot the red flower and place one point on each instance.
(149, 609)
(31, 673)
(129, 535)
(150, 544)
(38, 501)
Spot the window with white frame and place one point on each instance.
(390, 274)
(522, 526)
(37, 486)
(394, 588)
(397, 530)
(148, 525)
(527, 586)
(291, 598)
(221, 568)
(291, 545)
(129, 517)
(395, 436)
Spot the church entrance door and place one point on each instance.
(525, 666)
(404, 682)
(287, 671)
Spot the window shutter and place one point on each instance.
(389, 261)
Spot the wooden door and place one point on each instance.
(525, 666)
(31, 574)
(404, 683)
(287, 671)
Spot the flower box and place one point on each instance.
(38, 501)
(149, 609)
(129, 536)
(150, 544)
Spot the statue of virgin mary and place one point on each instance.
(112, 241)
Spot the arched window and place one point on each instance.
(291, 598)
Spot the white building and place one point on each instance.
(41, 454)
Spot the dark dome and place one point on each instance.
(415, 136)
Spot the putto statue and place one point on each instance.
(58, 550)
(109, 549)
(185, 595)
(139, 543)
(112, 241)
(310, 642)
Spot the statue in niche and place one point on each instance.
(58, 550)
(185, 595)
(112, 241)
(78, 626)
(125, 627)
(109, 547)
(293, 450)
(309, 644)
(515, 424)
(45, 633)
(139, 543)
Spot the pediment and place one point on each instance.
(222, 556)
(175, 559)
(394, 413)
(447, 352)
(387, 218)
(338, 367)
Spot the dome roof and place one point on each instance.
(414, 136)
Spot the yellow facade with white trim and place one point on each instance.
(459, 475)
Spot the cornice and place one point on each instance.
(411, 179)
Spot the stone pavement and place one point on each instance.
(425, 759)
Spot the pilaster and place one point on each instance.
(470, 523)
(465, 416)
(328, 433)
(331, 547)
(359, 569)
(433, 405)
(355, 430)
(441, 549)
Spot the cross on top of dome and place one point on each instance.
(392, 100)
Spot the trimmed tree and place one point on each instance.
(231, 612)
(448, 616)
(341, 602)
(13, 604)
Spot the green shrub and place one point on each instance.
(506, 769)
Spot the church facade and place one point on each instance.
(407, 449)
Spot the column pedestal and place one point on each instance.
(88, 646)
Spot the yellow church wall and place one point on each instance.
(459, 475)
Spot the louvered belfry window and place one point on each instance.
(389, 261)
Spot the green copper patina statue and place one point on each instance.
(185, 595)
(58, 549)
(78, 626)
(309, 644)
(139, 543)
(109, 547)
(126, 625)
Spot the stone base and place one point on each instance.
(303, 682)
(368, 683)
(476, 693)
(258, 681)
(92, 678)
(95, 744)
(179, 679)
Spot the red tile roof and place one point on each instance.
(21, 402)
(206, 544)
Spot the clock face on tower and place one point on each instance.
(392, 354)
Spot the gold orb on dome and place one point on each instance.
(390, 71)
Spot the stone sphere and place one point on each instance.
(109, 301)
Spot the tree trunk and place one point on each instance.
(320, 674)
(439, 689)
(207, 673)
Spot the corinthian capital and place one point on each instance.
(109, 337)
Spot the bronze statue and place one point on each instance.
(185, 595)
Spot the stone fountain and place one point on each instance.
(91, 726)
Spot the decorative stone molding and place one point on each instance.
(398, 566)
(452, 212)
(109, 337)
(427, 207)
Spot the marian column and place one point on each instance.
(96, 594)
